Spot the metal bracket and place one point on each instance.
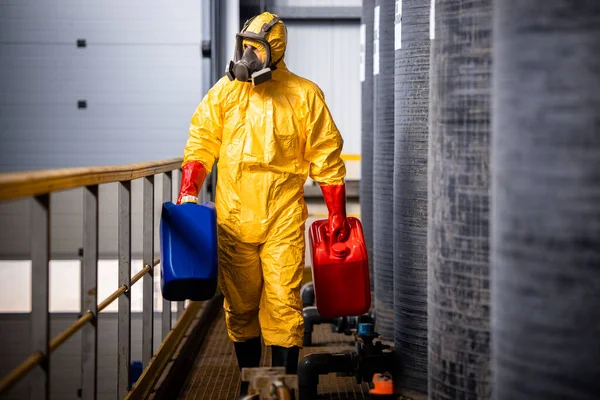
(205, 47)
(267, 380)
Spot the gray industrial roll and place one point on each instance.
(410, 192)
(366, 164)
(546, 199)
(459, 180)
(383, 168)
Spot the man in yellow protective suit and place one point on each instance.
(269, 130)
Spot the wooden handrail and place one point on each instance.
(14, 185)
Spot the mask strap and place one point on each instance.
(247, 23)
(274, 65)
(267, 27)
(263, 32)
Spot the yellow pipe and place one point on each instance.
(351, 157)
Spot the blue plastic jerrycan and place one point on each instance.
(188, 251)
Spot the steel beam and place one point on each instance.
(148, 280)
(124, 324)
(89, 293)
(40, 288)
(166, 304)
(317, 13)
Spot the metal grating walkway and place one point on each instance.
(216, 377)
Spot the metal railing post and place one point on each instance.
(124, 325)
(166, 304)
(177, 183)
(148, 259)
(89, 294)
(40, 288)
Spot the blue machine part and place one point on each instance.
(365, 329)
(135, 371)
(188, 248)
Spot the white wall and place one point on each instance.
(140, 75)
(327, 53)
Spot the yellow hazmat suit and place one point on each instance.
(267, 139)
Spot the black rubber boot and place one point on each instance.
(248, 354)
(285, 357)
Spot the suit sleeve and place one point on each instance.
(324, 144)
(206, 129)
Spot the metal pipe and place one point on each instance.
(312, 317)
(140, 274)
(115, 295)
(459, 207)
(122, 289)
(20, 371)
(410, 192)
(366, 165)
(37, 358)
(307, 293)
(316, 364)
(545, 224)
(383, 168)
(71, 330)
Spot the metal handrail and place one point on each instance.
(123, 289)
(37, 358)
(39, 185)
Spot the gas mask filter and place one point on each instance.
(247, 66)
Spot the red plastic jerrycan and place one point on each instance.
(340, 271)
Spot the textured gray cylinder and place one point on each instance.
(458, 242)
(366, 164)
(546, 198)
(410, 193)
(383, 170)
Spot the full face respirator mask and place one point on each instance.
(246, 66)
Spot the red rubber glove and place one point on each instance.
(335, 199)
(192, 178)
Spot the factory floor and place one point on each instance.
(216, 376)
